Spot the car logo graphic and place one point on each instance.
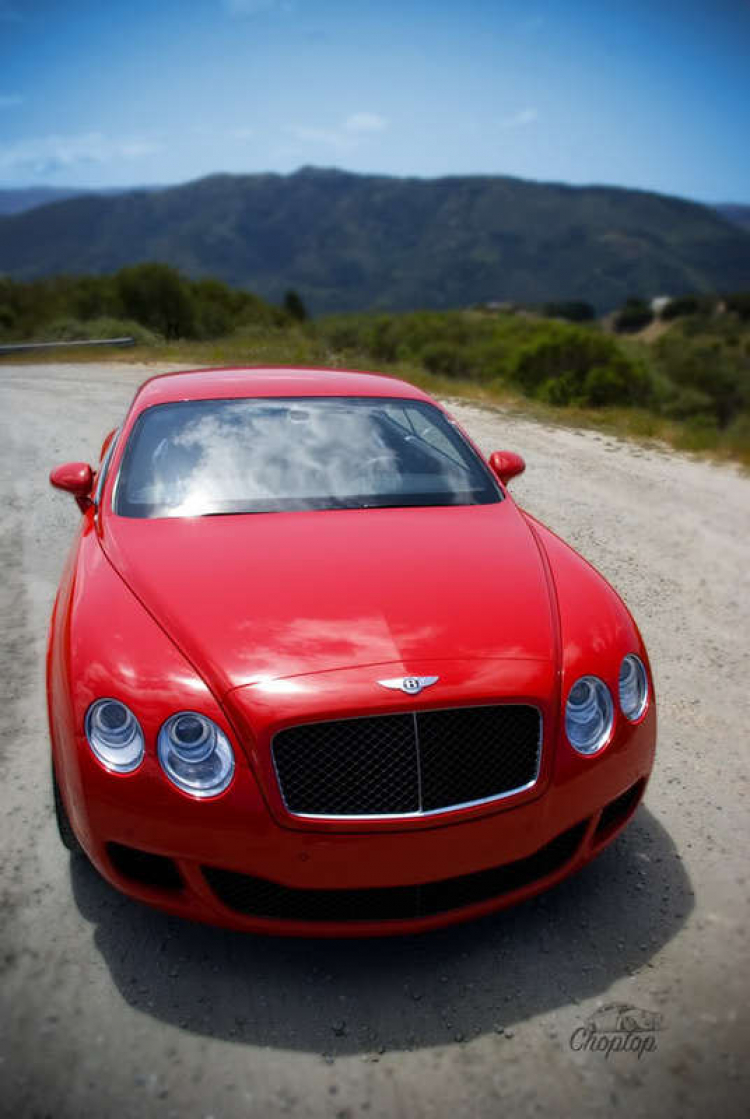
(412, 685)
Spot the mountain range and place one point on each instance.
(350, 242)
(733, 212)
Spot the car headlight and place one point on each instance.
(589, 714)
(114, 734)
(195, 754)
(633, 687)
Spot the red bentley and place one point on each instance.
(312, 671)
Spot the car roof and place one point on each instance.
(269, 381)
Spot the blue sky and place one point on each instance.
(641, 94)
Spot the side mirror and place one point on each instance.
(76, 478)
(506, 465)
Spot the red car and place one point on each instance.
(312, 671)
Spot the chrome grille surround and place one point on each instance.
(412, 752)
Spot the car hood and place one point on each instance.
(263, 596)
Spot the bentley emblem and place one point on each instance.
(412, 685)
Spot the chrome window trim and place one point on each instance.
(103, 470)
(419, 815)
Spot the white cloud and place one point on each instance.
(10, 100)
(365, 122)
(347, 135)
(330, 137)
(48, 154)
(520, 119)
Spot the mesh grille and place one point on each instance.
(397, 764)
(476, 752)
(356, 766)
(257, 897)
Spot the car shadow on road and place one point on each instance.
(351, 996)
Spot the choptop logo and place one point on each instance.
(412, 685)
(618, 1028)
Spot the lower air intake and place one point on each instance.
(257, 897)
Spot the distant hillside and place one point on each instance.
(348, 242)
(740, 215)
(15, 201)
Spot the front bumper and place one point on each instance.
(218, 848)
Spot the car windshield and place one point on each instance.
(203, 457)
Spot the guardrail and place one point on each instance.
(25, 347)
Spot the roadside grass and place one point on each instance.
(297, 345)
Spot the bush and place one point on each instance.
(443, 357)
(590, 368)
(687, 402)
(382, 339)
(677, 308)
(705, 365)
(739, 302)
(73, 330)
(574, 311)
(156, 296)
(294, 306)
(488, 359)
(559, 391)
(606, 384)
(633, 316)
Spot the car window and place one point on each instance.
(203, 457)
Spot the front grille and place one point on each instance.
(421, 762)
(257, 897)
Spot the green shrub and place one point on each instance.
(559, 391)
(443, 357)
(156, 296)
(382, 339)
(488, 359)
(73, 330)
(606, 384)
(708, 366)
(294, 306)
(573, 310)
(633, 316)
(739, 302)
(678, 308)
(591, 368)
(688, 402)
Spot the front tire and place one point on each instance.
(67, 835)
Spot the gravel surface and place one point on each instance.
(108, 1008)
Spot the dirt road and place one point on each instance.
(110, 1009)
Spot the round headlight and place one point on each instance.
(633, 687)
(195, 754)
(115, 735)
(589, 714)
